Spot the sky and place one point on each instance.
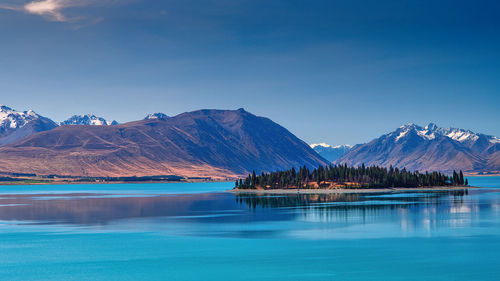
(340, 72)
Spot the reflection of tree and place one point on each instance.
(292, 200)
(361, 208)
(301, 200)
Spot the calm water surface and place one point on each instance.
(196, 231)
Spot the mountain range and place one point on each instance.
(204, 143)
(219, 143)
(429, 148)
(16, 125)
(88, 119)
(331, 153)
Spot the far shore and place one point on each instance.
(23, 183)
(482, 175)
(345, 190)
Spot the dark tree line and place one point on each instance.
(354, 177)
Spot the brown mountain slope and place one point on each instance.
(215, 143)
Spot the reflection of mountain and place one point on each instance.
(102, 209)
(83, 209)
(223, 210)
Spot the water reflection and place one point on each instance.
(404, 213)
(260, 215)
(101, 209)
(346, 200)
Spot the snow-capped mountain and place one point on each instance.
(429, 148)
(88, 119)
(157, 115)
(432, 131)
(330, 153)
(10, 118)
(15, 125)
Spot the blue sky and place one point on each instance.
(329, 71)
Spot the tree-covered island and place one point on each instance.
(344, 177)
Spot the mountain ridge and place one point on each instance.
(429, 148)
(88, 119)
(215, 143)
(412, 146)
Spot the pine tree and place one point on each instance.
(455, 178)
(365, 177)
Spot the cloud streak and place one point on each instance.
(51, 10)
(10, 7)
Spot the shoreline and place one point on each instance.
(339, 191)
(20, 183)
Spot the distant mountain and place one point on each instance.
(330, 153)
(88, 119)
(16, 125)
(429, 148)
(214, 143)
(157, 115)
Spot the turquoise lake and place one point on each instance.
(197, 231)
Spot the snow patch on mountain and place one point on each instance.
(427, 134)
(88, 119)
(460, 135)
(402, 134)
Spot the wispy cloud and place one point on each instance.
(10, 7)
(52, 10)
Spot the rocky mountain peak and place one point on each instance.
(88, 119)
(157, 115)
